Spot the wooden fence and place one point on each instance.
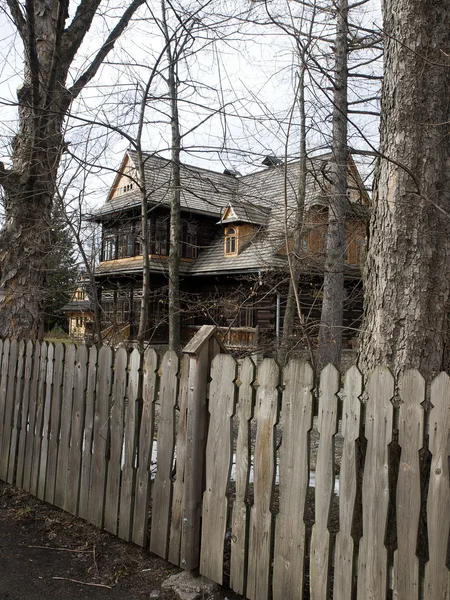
(78, 427)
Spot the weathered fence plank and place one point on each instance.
(261, 521)
(219, 458)
(162, 487)
(8, 402)
(344, 563)
(178, 485)
(18, 397)
(77, 430)
(23, 434)
(296, 423)
(101, 435)
(86, 456)
(66, 419)
(116, 441)
(32, 407)
(4, 383)
(372, 560)
(130, 439)
(37, 442)
(42, 477)
(240, 516)
(319, 579)
(55, 423)
(145, 445)
(437, 575)
(410, 438)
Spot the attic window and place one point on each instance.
(230, 241)
(128, 187)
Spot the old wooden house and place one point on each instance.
(236, 232)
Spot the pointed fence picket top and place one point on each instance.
(410, 439)
(344, 566)
(437, 575)
(296, 423)
(219, 458)
(201, 350)
(372, 560)
(320, 538)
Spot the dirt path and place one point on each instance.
(39, 544)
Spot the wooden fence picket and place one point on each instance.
(145, 446)
(319, 579)
(261, 521)
(24, 425)
(18, 398)
(240, 516)
(86, 456)
(77, 431)
(101, 436)
(410, 438)
(344, 563)
(162, 486)
(47, 400)
(4, 383)
(32, 409)
(437, 575)
(66, 420)
(296, 423)
(39, 422)
(116, 441)
(178, 485)
(8, 404)
(372, 559)
(219, 458)
(130, 438)
(55, 422)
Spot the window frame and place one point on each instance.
(231, 241)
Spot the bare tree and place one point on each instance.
(50, 43)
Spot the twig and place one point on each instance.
(84, 583)
(60, 549)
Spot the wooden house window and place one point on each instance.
(109, 247)
(125, 245)
(361, 250)
(304, 244)
(160, 239)
(231, 244)
(189, 249)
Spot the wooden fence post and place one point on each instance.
(201, 350)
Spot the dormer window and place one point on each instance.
(231, 242)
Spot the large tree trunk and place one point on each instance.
(331, 321)
(407, 272)
(29, 187)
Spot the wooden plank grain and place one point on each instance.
(261, 521)
(410, 438)
(219, 458)
(344, 563)
(32, 408)
(8, 402)
(24, 424)
(162, 486)
(296, 423)
(130, 439)
(86, 455)
(145, 446)
(178, 485)
(320, 539)
(39, 423)
(77, 431)
(372, 558)
(66, 420)
(240, 514)
(437, 575)
(3, 384)
(55, 422)
(42, 477)
(18, 399)
(101, 436)
(116, 441)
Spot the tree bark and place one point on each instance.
(331, 321)
(407, 272)
(29, 187)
